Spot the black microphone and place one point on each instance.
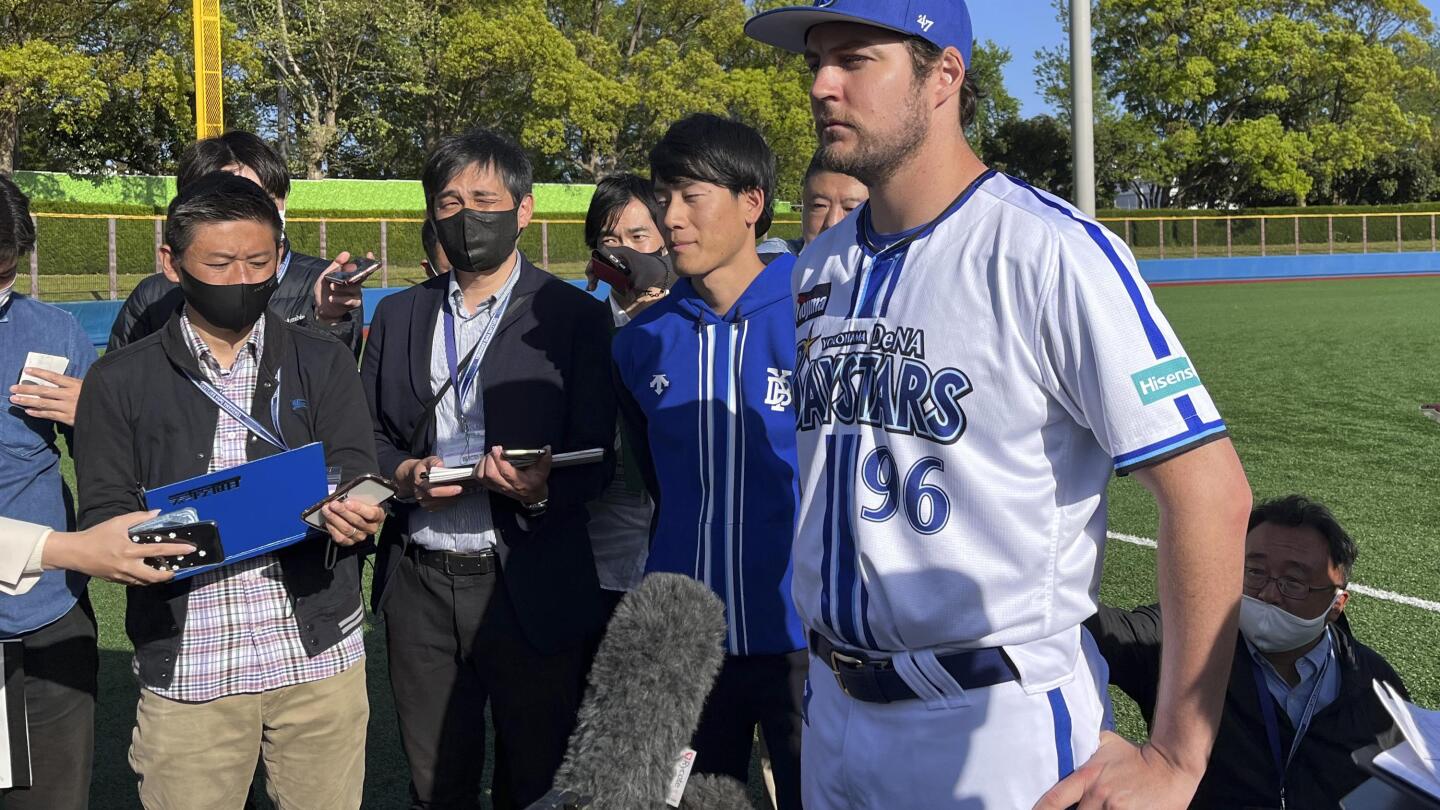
(652, 673)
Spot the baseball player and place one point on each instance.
(974, 359)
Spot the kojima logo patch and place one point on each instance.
(1165, 380)
(811, 303)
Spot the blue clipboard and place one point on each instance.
(256, 506)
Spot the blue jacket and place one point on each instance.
(707, 406)
(31, 488)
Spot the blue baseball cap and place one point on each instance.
(942, 23)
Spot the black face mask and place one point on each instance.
(475, 241)
(234, 307)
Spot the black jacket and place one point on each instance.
(1242, 771)
(546, 379)
(156, 298)
(141, 421)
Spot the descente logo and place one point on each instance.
(1165, 380)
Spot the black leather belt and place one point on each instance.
(454, 563)
(875, 680)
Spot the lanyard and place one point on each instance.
(464, 383)
(1272, 724)
(239, 415)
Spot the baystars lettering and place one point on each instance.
(882, 382)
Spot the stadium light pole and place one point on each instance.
(1082, 106)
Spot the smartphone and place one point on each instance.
(364, 268)
(448, 475)
(611, 269)
(369, 489)
(203, 535)
(522, 458)
(179, 517)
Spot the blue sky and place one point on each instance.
(1026, 26)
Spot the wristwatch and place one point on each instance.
(537, 507)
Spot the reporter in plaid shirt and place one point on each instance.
(263, 657)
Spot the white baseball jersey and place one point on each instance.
(963, 393)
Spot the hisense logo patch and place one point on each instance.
(1165, 380)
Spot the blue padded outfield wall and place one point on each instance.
(1181, 271)
(97, 316)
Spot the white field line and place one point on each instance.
(1355, 587)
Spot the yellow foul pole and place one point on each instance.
(209, 101)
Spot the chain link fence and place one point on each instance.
(102, 257)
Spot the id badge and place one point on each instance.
(464, 450)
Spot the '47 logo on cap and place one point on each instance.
(924, 22)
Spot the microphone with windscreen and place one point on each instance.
(654, 668)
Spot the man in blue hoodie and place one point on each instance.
(705, 375)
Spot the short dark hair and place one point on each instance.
(1298, 510)
(711, 149)
(817, 165)
(17, 229)
(612, 194)
(218, 197)
(234, 148)
(482, 147)
(924, 55)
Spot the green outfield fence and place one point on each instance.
(87, 256)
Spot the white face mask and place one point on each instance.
(1273, 629)
(5, 293)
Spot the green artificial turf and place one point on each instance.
(1320, 383)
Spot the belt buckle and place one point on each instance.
(446, 559)
(839, 661)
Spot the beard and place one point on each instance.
(876, 156)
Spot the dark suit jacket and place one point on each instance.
(546, 380)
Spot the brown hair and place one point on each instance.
(924, 55)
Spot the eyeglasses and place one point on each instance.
(1289, 587)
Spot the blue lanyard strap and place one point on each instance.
(1272, 724)
(464, 382)
(239, 415)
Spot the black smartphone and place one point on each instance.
(610, 267)
(204, 536)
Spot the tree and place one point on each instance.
(998, 108)
(41, 68)
(1036, 150)
(1253, 102)
(325, 53)
(140, 52)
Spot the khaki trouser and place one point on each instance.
(311, 737)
